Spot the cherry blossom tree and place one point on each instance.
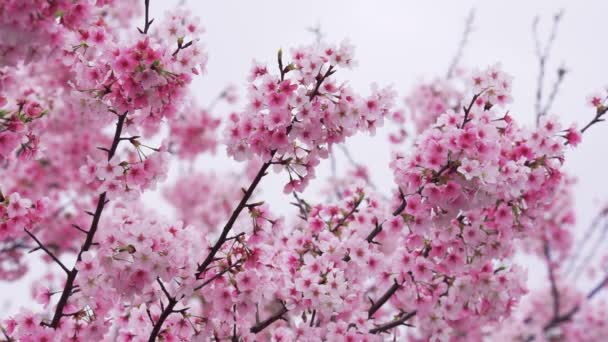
(94, 109)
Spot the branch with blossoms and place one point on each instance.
(140, 81)
(101, 203)
(433, 262)
(560, 255)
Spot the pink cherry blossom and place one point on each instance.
(96, 113)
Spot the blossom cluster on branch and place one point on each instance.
(432, 261)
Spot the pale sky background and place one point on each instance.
(401, 43)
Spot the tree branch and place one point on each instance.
(376, 231)
(393, 324)
(147, 22)
(101, 202)
(554, 291)
(249, 192)
(468, 28)
(543, 56)
(167, 311)
(467, 110)
(385, 297)
(350, 213)
(267, 322)
(47, 251)
(598, 118)
(235, 214)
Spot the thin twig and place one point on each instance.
(554, 291)
(598, 118)
(543, 56)
(348, 215)
(467, 110)
(591, 253)
(468, 28)
(47, 251)
(580, 245)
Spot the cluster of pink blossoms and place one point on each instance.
(476, 181)
(554, 225)
(44, 25)
(16, 214)
(193, 133)
(139, 253)
(138, 84)
(128, 178)
(146, 78)
(433, 264)
(588, 324)
(18, 129)
(141, 84)
(212, 202)
(429, 100)
(41, 150)
(292, 118)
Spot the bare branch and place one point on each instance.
(468, 28)
(554, 291)
(47, 251)
(543, 55)
(385, 297)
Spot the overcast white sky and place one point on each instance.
(400, 43)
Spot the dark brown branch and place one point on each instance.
(117, 132)
(162, 287)
(235, 214)
(47, 251)
(598, 118)
(101, 202)
(227, 269)
(147, 22)
(181, 47)
(393, 324)
(467, 110)
(6, 336)
(267, 322)
(385, 297)
(168, 310)
(312, 318)
(320, 79)
(401, 206)
(280, 62)
(77, 227)
(350, 213)
(372, 235)
(597, 288)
